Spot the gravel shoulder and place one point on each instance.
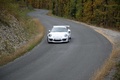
(111, 35)
(114, 38)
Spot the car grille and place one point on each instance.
(57, 39)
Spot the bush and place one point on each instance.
(117, 74)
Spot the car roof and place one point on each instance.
(61, 26)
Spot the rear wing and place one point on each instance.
(67, 26)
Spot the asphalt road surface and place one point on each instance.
(76, 60)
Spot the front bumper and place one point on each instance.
(55, 40)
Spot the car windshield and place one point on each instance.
(59, 30)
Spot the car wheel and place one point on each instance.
(48, 42)
(68, 40)
(69, 37)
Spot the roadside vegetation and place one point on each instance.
(103, 13)
(116, 76)
(18, 32)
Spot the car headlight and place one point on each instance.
(49, 35)
(65, 35)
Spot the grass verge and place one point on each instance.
(6, 58)
(116, 76)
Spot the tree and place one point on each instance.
(104, 13)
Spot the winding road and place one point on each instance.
(76, 60)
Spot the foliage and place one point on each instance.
(105, 13)
(117, 74)
(18, 9)
(19, 33)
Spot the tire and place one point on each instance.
(68, 40)
(69, 37)
(48, 42)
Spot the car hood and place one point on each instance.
(58, 34)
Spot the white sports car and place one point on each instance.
(59, 34)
